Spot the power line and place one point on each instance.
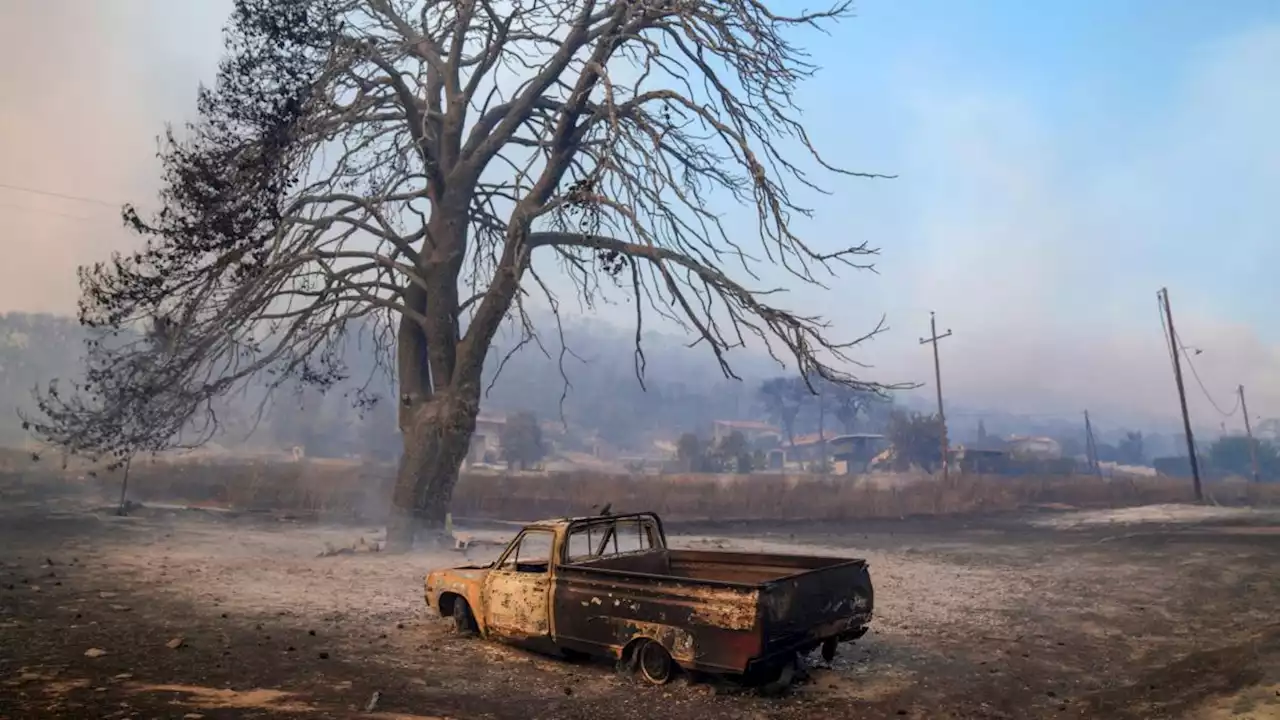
(64, 196)
(1176, 342)
(1200, 382)
(42, 211)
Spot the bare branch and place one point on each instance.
(398, 162)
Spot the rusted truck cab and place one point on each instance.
(608, 586)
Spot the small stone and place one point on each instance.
(175, 643)
(325, 655)
(198, 716)
(94, 653)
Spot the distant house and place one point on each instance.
(848, 453)
(979, 460)
(806, 448)
(1039, 448)
(753, 430)
(853, 453)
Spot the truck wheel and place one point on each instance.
(829, 649)
(463, 620)
(782, 681)
(655, 663)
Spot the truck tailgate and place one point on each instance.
(831, 601)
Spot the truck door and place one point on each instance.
(517, 591)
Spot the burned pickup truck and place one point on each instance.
(608, 586)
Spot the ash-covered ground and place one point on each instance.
(1163, 612)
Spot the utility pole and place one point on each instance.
(1253, 444)
(1175, 350)
(933, 338)
(1091, 446)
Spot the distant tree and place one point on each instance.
(1130, 450)
(849, 405)
(783, 398)
(521, 440)
(917, 440)
(733, 454)
(690, 451)
(1230, 454)
(982, 433)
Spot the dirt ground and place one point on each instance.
(1166, 612)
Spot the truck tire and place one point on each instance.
(463, 621)
(781, 682)
(654, 663)
(829, 649)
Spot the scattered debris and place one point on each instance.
(359, 546)
(464, 541)
(94, 653)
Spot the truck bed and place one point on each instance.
(713, 565)
(738, 610)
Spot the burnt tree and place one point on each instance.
(400, 162)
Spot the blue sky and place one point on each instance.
(1058, 163)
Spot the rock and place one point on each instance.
(373, 699)
(198, 716)
(175, 643)
(126, 608)
(94, 653)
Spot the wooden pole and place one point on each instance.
(1176, 351)
(1091, 446)
(1253, 444)
(933, 338)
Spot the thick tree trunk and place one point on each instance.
(437, 435)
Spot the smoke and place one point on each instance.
(86, 90)
(1040, 239)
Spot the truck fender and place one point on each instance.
(676, 641)
(445, 603)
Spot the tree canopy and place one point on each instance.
(383, 172)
